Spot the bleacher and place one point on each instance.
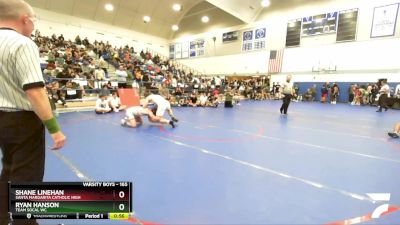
(175, 81)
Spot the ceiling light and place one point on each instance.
(205, 19)
(177, 7)
(109, 7)
(146, 19)
(175, 27)
(265, 3)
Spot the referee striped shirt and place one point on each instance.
(287, 87)
(19, 70)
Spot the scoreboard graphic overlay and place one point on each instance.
(70, 200)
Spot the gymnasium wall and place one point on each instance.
(50, 23)
(343, 87)
(228, 65)
(363, 60)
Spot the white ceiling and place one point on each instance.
(246, 10)
(129, 13)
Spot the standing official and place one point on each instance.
(384, 93)
(24, 106)
(287, 89)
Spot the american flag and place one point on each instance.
(275, 61)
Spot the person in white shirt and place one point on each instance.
(217, 81)
(384, 92)
(99, 74)
(91, 53)
(122, 75)
(397, 91)
(103, 65)
(115, 103)
(149, 62)
(134, 115)
(162, 106)
(203, 100)
(102, 105)
(174, 82)
(287, 89)
(92, 65)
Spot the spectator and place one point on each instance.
(115, 103)
(102, 105)
(334, 93)
(193, 100)
(122, 75)
(105, 90)
(228, 99)
(99, 74)
(212, 101)
(103, 65)
(85, 67)
(307, 96)
(324, 92)
(357, 96)
(369, 90)
(351, 93)
(54, 92)
(78, 40)
(202, 100)
(85, 42)
(296, 90)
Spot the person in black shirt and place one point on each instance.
(193, 100)
(229, 99)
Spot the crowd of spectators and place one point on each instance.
(76, 68)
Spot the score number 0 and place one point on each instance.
(121, 206)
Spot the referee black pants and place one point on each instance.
(286, 102)
(382, 102)
(22, 143)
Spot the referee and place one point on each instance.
(24, 106)
(287, 88)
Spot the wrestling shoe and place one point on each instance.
(393, 134)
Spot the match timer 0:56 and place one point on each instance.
(118, 216)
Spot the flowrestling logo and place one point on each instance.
(382, 208)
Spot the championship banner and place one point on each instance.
(384, 20)
(247, 41)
